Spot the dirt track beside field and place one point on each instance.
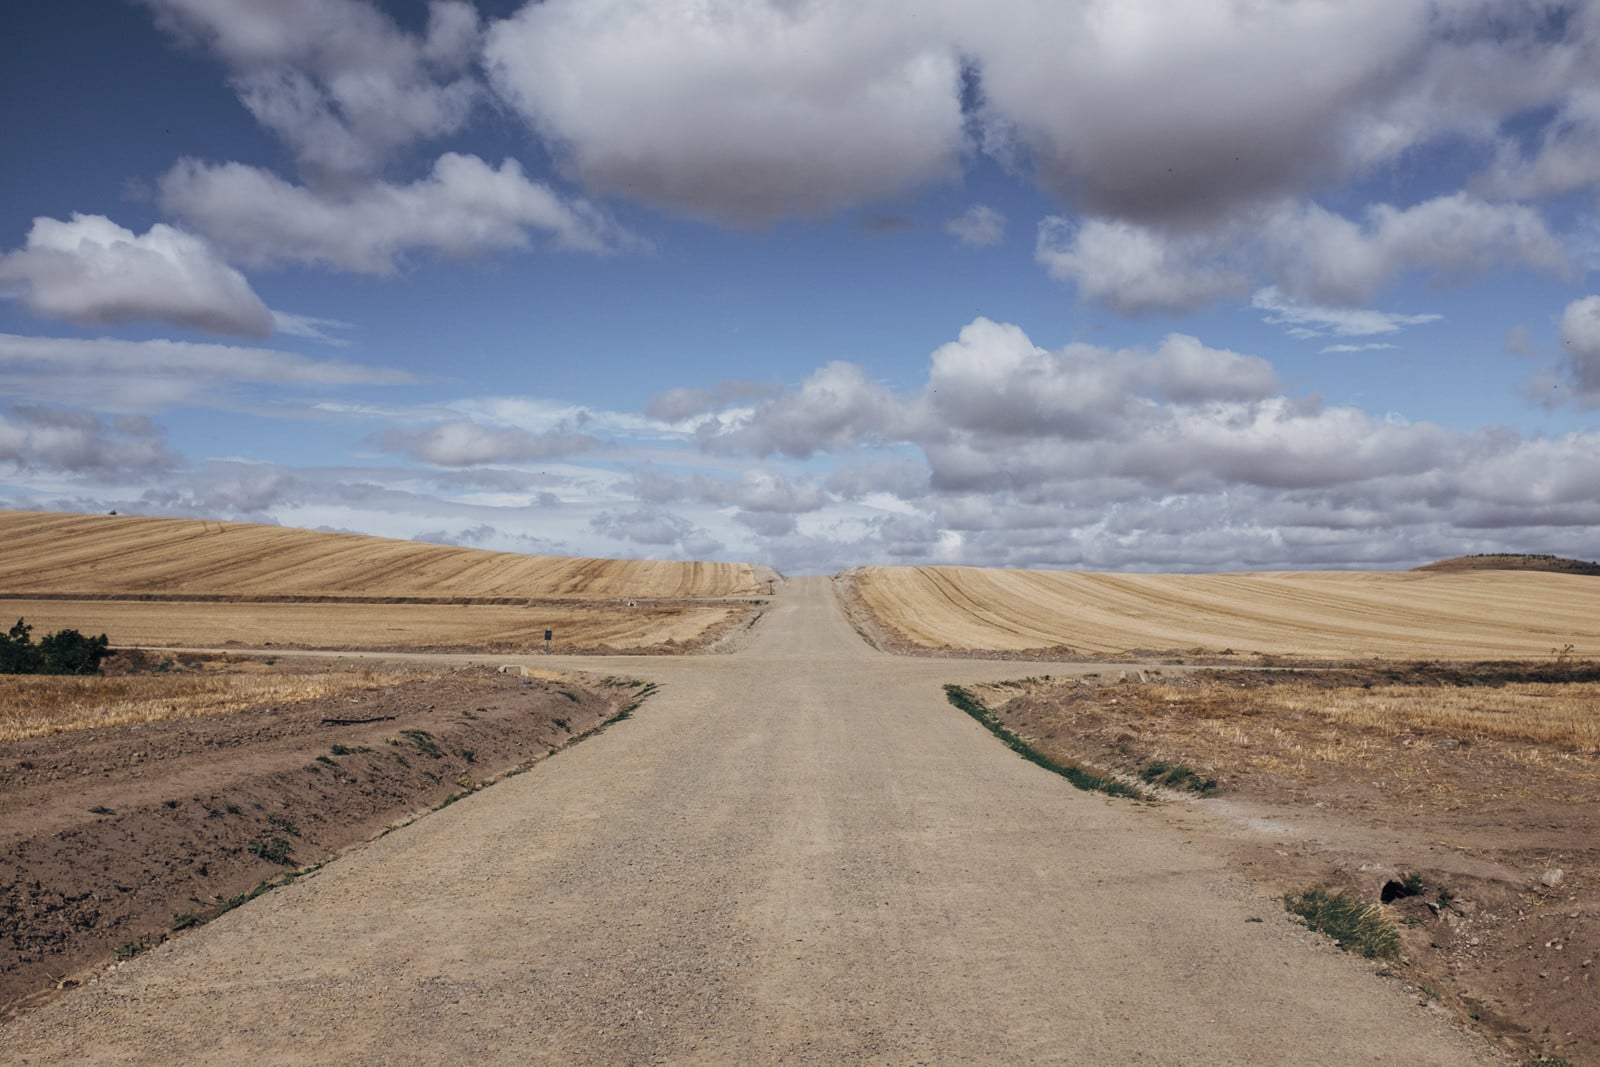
(798, 852)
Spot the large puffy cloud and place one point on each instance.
(995, 380)
(464, 207)
(54, 440)
(464, 443)
(732, 111)
(1180, 457)
(1149, 111)
(91, 271)
(836, 407)
(1139, 111)
(337, 79)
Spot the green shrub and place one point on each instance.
(63, 652)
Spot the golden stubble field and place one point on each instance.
(192, 583)
(1321, 615)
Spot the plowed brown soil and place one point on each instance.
(1337, 615)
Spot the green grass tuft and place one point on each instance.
(1178, 776)
(129, 949)
(1085, 780)
(1356, 925)
(272, 849)
(424, 742)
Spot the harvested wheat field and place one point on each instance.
(48, 552)
(1485, 614)
(681, 625)
(192, 583)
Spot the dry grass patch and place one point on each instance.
(1562, 715)
(33, 705)
(482, 628)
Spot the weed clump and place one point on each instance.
(1178, 776)
(424, 742)
(1355, 925)
(1079, 777)
(272, 849)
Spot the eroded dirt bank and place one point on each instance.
(113, 839)
(1354, 780)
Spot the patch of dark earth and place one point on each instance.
(114, 839)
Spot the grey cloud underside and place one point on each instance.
(1153, 114)
(464, 443)
(58, 441)
(91, 271)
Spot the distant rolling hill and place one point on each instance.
(1509, 561)
(104, 555)
(1482, 614)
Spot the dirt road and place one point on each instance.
(797, 853)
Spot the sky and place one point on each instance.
(1210, 285)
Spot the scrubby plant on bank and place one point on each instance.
(1085, 780)
(1356, 925)
(63, 652)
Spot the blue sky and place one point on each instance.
(1102, 285)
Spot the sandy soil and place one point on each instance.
(1327, 615)
(113, 839)
(1305, 800)
(796, 853)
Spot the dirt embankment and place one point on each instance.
(113, 839)
(1477, 781)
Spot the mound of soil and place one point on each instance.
(113, 839)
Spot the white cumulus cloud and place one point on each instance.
(91, 271)
(464, 207)
(733, 111)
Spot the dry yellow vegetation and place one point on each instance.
(467, 627)
(49, 552)
(1560, 715)
(34, 705)
(1325, 614)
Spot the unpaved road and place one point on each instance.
(797, 853)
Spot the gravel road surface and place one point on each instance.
(797, 853)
